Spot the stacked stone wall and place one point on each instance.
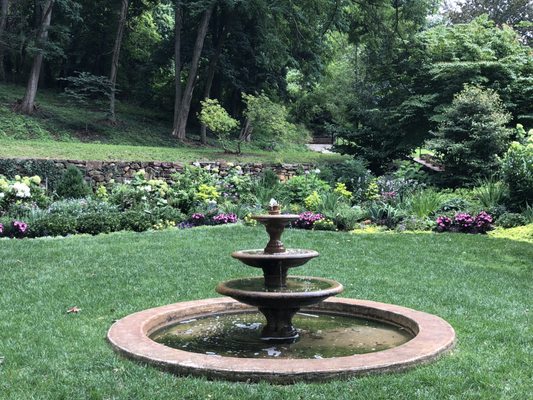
(102, 172)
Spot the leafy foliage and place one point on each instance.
(472, 135)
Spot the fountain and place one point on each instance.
(333, 338)
(277, 296)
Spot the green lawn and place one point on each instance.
(481, 285)
(65, 131)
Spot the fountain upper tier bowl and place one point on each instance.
(290, 258)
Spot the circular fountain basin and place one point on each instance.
(288, 259)
(321, 335)
(299, 291)
(431, 336)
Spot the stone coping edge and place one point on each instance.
(130, 337)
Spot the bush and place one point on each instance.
(217, 120)
(94, 223)
(136, 220)
(270, 122)
(511, 220)
(385, 214)
(416, 224)
(353, 173)
(72, 185)
(471, 136)
(346, 218)
(298, 188)
(517, 171)
(324, 225)
(491, 193)
(424, 203)
(465, 223)
(53, 224)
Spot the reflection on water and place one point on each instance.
(321, 336)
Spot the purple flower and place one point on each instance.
(443, 223)
(20, 227)
(464, 220)
(1, 228)
(185, 225)
(223, 218)
(307, 220)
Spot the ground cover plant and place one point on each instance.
(480, 284)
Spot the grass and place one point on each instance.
(64, 131)
(481, 285)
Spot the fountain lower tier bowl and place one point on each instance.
(430, 336)
(298, 292)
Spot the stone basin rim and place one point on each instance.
(130, 337)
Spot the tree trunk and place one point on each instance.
(191, 79)
(177, 65)
(27, 105)
(211, 75)
(116, 57)
(3, 21)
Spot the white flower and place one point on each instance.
(2, 195)
(306, 172)
(147, 188)
(317, 171)
(21, 190)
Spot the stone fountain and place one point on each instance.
(331, 338)
(277, 296)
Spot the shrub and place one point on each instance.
(471, 135)
(385, 214)
(416, 224)
(270, 122)
(517, 171)
(465, 223)
(94, 223)
(324, 225)
(299, 187)
(72, 185)
(24, 192)
(217, 120)
(136, 220)
(353, 173)
(53, 224)
(511, 220)
(346, 217)
(424, 203)
(491, 193)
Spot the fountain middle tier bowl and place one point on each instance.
(300, 291)
(288, 259)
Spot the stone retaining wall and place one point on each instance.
(101, 172)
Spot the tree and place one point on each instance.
(471, 136)
(27, 106)
(116, 54)
(396, 103)
(185, 102)
(4, 5)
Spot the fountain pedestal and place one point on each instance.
(278, 297)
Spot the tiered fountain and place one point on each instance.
(333, 338)
(278, 296)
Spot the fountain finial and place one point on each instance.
(274, 207)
